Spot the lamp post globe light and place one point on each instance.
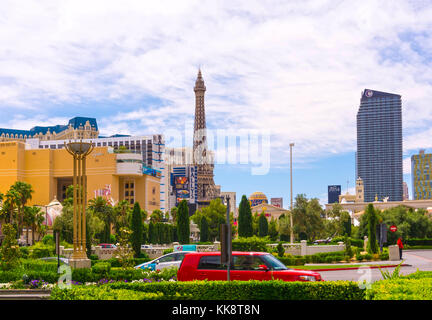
(79, 151)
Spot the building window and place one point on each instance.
(129, 191)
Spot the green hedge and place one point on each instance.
(115, 263)
(43, 270)
(251, 244)
(418, 275)
(102, 293)
(292, 260)
(354, 242)
(327, 257)
(418, 242)
(233, 290)
(401, 289)
(324, 257)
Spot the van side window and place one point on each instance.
(210, 263)
(246, 262)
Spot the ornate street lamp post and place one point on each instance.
(79, 151)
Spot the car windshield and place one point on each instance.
(272, 262)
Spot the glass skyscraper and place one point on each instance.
(379, 145)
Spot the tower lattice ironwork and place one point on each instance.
(202, 158)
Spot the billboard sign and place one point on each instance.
(182, 195)
(333, 193)
(277, 202)
(181, 182)
(151, 172)
(185, 247)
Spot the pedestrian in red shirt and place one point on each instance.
(400, 245)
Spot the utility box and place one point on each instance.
(394, 253)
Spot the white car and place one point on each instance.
(173, 259)
(146, 246)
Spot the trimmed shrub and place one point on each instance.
(401, 289)
(24, 252)
(250, 244)
(367, 256)
(93, 257)
(101, 268)
(354, 242)
(48, 239)
(418, 242)
(166, 251)
(47, 271)
(251, 290)
(40, 250)
(115, 263)
(329, 259)
(280, 249)
(418, 275)
(102, 293)
(223, 290)
(40, 265)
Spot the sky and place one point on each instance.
(292, 71)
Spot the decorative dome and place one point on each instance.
(53, 210)
(257, 198)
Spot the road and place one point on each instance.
(417, 259)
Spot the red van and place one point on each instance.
(245, 266)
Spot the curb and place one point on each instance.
(370, 267)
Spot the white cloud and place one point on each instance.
(296, 68)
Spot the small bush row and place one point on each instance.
(102, 293)
(47, 271)
(115, 263)
(223, 290)
(418, 242)
(251, 244)
(354, 242)
(401, 289)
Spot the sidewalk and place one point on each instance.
(417, 259)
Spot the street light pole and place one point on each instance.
(228, 237)
(291, 205)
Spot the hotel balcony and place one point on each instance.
(129, 164)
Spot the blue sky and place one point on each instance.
(294, 69)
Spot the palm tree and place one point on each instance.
(105, 212)
(34, 219)
(120, 212)
(156, 216)
(10, 205)
(174, 212)
(38, 223)
(24, 193)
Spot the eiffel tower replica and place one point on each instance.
(202, 159)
